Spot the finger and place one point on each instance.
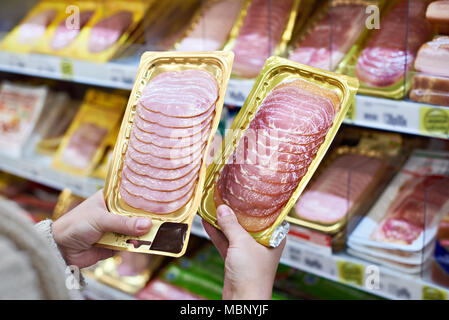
(218, 239)
(132, 226)
(230, 226)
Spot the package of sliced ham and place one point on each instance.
(330, 33)
(345, 185)
(383, 59)
(31, 31)
(85, 141)
(407, 213)
(108, 29)
(263, 29)
(275, 145)
(159, 161)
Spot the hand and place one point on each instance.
(77, 231)
(250, 267)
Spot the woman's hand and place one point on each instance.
(250, 267)
(77, 231)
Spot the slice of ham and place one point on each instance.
(175, 143)
(391, 50)
(156, 162)
(153, 206)
(108, 31)
(157, 184)
(161, 174)
(199, 92)
(250, 223)
(166, 121)
(170, 132)
(164, 153)
(64, 36)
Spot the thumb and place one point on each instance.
(132, 226)
(228, 223)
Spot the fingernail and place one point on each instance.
(223, 211)
(143, 224)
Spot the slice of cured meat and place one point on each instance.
(260, 33)
(158, 173)
(331, 38)
(433, 57)
(391, 50)
(35, 26)
(170, 132)
(153, 206)
(108, 31)
(199, 92)
(164, 153)
(157, 184)
(250, 223)
(64, 36)
(175, 143)
(166, 121)
(153, 161)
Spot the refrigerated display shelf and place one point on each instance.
(378, 113)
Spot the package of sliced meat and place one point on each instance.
(407, 213)
(438, 14)
(210, 27)
(160, 158)
(34, 27)
(275, 145)
(330, 34)
(431, 89)
(20, 109)
(347, 182)
(62, 36)
(108, 29)
(383, 59)
(84, 142)
(263, 29)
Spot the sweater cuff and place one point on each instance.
(44, 228)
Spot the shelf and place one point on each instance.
(392, 285)
(37, 169)
(400, 116)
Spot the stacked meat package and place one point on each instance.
(431, 82)
(160, 158)
(400, 229)
(347, 183)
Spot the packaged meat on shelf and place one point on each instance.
(400, 229)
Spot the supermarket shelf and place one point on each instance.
(351, 271)
(38, 169)
(400, 116)
(95, 290)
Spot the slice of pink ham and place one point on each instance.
(64, 36)
(175, 143)
(161, 174)
(164, 153)
(153, 206)
(157, 184)
(250, 223)
(182, 94)
(108, 31)
(169, 132)
(156, 195)
(148, 159)
(166, 121)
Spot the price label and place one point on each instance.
(434, 121)
(237, 91)
(350, 272)
(67, 69)
(432, 293)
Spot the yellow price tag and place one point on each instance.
(350, 272)
(434, 121)
(431, 293)
(67, 68)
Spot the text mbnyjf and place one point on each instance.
(234, 309)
